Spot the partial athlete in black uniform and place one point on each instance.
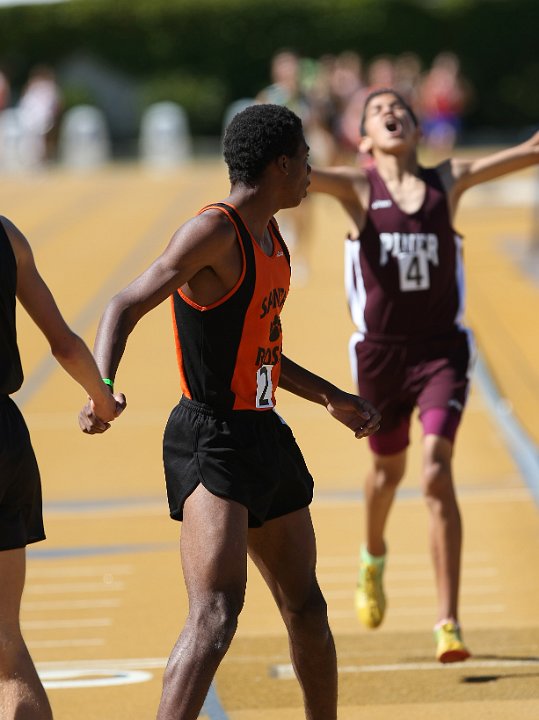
(21, 519)
(21, 522)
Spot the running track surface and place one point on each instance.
(105, 599)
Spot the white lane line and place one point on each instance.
(130, 663)
(424, 611)
(413, 496)
(116, 672)
(69, 679)
(39, 605)
(79, 571)
(62, 624)
(405, 575)
(422, 559)
(61, 588)
(413, 592)
(73, 642)
(286, 671)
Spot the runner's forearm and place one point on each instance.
(305, 384)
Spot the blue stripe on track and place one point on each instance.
(96, 550)
(212, 706)
(522, 448)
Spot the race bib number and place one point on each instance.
(414, 272)
(264, 387)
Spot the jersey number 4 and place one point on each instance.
(414, 272)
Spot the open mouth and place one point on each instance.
(392, 125)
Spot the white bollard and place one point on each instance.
(234, 108)
(165, 140)
(20, 148)
(84, 138)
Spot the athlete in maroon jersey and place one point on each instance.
(234, 474)
(404, 283)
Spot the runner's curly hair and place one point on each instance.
(256, 136)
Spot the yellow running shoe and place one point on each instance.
(370, 601)
(449, 645)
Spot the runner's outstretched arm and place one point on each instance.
(353, 411)
(458, 175)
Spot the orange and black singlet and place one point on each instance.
(229, 353)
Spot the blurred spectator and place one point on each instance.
(287, 89)
(346, 80)
(380, 73)
(5, 90)
(444, 95)
(39, 110)
(408, 77)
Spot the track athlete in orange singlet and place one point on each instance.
(21, 522)
(234, 474)
(404, 281)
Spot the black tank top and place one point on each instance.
(229, 353)
(11, 375)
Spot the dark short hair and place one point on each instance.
(385, 91)
(256, 136)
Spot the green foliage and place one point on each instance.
(207, 53)
(203, 99)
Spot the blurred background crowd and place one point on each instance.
(327, 93)
(84, 81)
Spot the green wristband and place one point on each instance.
(109, 382)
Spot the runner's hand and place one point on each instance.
(91, 424)
(354, 412)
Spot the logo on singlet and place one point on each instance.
(275, 300)
(380, 204)
(275, 329)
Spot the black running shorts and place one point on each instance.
(21, 516)
(247, 456)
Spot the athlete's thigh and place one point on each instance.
(214, 545)
(284, 551)
(12, 574)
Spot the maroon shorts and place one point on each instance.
(431, 374)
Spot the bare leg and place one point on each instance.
(380, 487)
(284, 550)
(445, 522)
(214, 560)
(22, 695)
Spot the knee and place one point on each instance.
(214, 620)
(438, 482)
(385, 480)
(309, 617)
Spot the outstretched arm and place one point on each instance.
(353, 411)
(67, 347)
(348, 185)
(458, 175)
